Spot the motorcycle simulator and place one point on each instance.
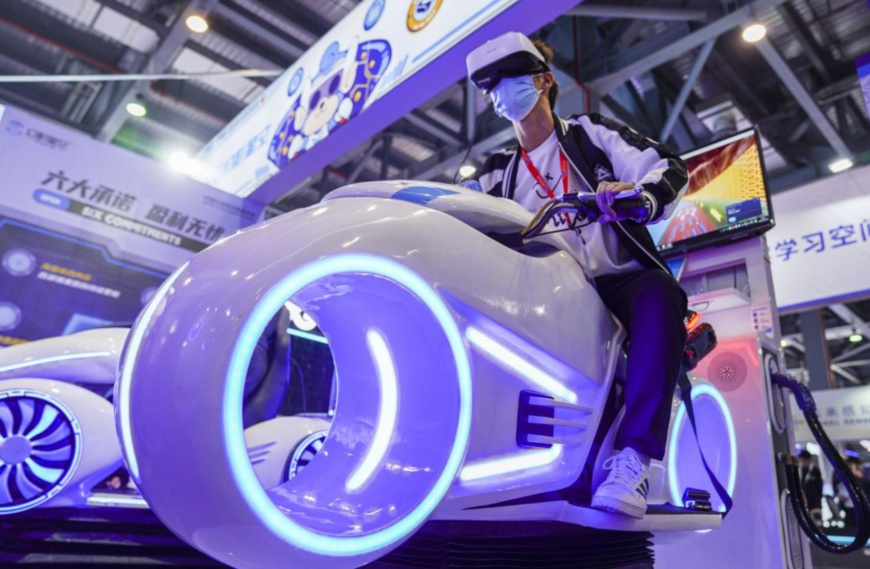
(477, 380)
(459, 395)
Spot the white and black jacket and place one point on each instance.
(601, 149)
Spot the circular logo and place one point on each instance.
(727, 371)
(421, 12)
(295, 82)
(10, 316)
(19, 262)
(374, 14)
(15, 128)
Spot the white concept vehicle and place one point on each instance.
(57, 434)
(477, 381)
(58, 442)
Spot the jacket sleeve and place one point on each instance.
(491, 174)
(641, 161)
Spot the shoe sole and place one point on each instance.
(618, 507)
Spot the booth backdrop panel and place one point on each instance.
(845, 414)
(820, 247)
(89, 230)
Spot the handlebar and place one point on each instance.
(584, 206)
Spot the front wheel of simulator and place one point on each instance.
(395, 443)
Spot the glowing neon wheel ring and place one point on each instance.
(40, 447)
(232, 497)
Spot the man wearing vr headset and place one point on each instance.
(591, 153)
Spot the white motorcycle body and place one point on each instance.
(472, 378)
(58, 439)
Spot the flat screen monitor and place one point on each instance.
(727, 197)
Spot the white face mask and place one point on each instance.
(515, 97)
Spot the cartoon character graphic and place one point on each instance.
(338, 92)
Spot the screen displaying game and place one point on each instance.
(727, 197)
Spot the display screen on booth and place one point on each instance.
(727, 197)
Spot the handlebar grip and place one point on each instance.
(631, 208)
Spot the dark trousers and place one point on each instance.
(651, 305)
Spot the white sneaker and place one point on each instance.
(626, 487)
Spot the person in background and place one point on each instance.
(842, 496)
(811, 484)
(594, 154)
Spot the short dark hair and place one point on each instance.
(548, 53)
(804, 453)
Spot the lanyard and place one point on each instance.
(563, 166)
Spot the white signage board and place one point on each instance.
(377, 64)
(844, 414)
(88, 230)
(820, 246)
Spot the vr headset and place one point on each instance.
(509, 55)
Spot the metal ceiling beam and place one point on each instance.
(363, 161)
(592, 10)
(135, 15)
(211, 54)
(423, 122)
(711, 31)
(821, 61)
(167, 50)
(619, 57)
(686, 90)
(847, 375)
(262, 31)
(454, 161)
(853, 352)
(803, 97)
(853, 320)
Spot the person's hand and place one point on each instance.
(607, 194)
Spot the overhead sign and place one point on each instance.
(844, 414)
(375, 58)
(863, 65)
(820, 247)
(89, 230)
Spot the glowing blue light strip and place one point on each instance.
(697, 390)
(246, 480)
(125, 379)
(845, 540)
(518, 462)
(54, 359)
(306, 335)
(387, 411)
(126, 501)
(512, 362)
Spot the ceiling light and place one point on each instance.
(754, 33)
(467, 170)
(855, 336)
(184, 163)
(136, 109)
(840, 165)
(196, 23)
(178, 161)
